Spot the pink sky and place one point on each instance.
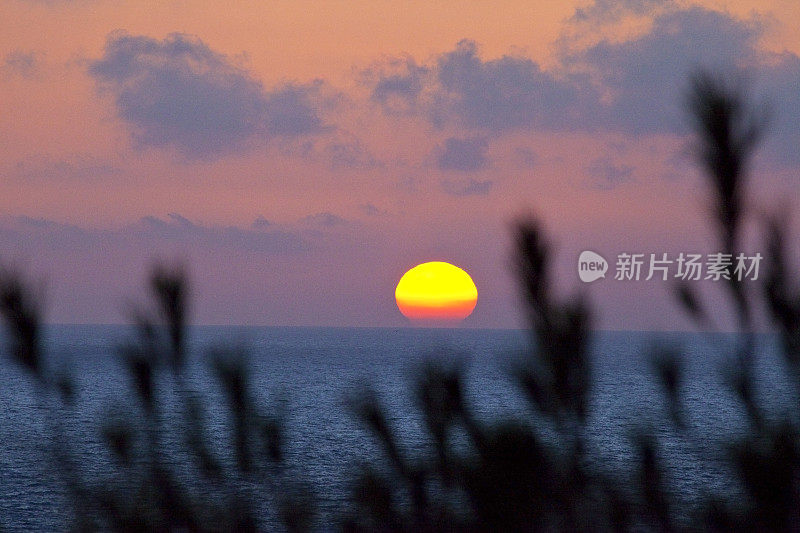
(301, 156)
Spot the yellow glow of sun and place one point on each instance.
(436, 291)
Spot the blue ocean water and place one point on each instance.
(308, 373)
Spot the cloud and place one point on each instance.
(408, 184)
(612, 10)
(647, 76)
(69, 167)
(338, 151)
(371, 210)
(46, 224)
(26, 64)
(261, 223)
(290, 110)
(151, 233)
(466, 187)
(179, 92)
(465, 155)
(633, 87)
(177, 228)
(526, 156)
(35, 222)
(28, 232)
(349, 154)
(397, 83)
(779, 83)
(499, 95)
(509, 93)
(325, 220)
(605, 174)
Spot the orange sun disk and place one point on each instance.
(436, 291)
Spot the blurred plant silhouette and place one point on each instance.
(143, 492)
(504, 475)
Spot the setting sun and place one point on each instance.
(436, 291)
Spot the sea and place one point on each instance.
(308, 378)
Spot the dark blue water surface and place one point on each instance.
(308, 373)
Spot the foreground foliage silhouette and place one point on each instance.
(143, 492)
(499, 476)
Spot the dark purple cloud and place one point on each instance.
(526, 156)
(325, 220)
(25, 63)
(606, 174)
(647, 76)
(499, 95)
(613, 10)
(150, 233)
(465, 155)
(780, 84)
(340, 150)
(260, 223)
(371, 210)
(397, 83)
(35, 222)
(34, 233)
(69, 167)
(632, 87)
(509, 93)
(179, 92)
(291, 111)
(178, 228)
(466, 187)
(349, 154)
